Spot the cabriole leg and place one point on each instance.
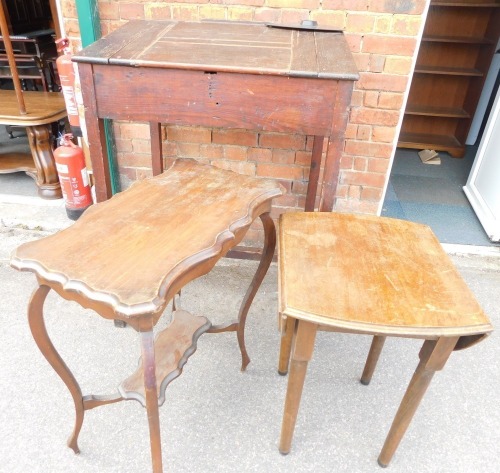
(39, 332)
(265, 261)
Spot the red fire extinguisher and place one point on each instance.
(70, 164)
(67, 77)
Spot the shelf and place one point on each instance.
(457, 39)
(465, 3)
(427, 141)
(449, 71)
(17, 162)
(173, 346)
(447, 112)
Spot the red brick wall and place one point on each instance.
(382, 35)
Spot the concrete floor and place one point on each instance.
(217, 419)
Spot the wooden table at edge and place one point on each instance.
(220, 74)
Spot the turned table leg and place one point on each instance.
(302, 353)
(433, 357)
(149, 371)
(47, 179)
(39, 332)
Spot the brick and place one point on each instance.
(169, 149)
(359, 164)
(362, 61)
(299, 187)
(389, 45)
(377, 63)
(379, 165)
(283, 141)
(408, 25)
(390, 101)
(212, 151)
(134, 159)
(334, 19)
(410, 7)
(353, 5)
(267, 15)
(283, 156)
(309, 4)
(354, 192)
(127, 176)
(371, 193)
(356, 206)
(351, 131)
(157, 12)
(68, 10)
(134, 130)
(303, 158)
(362, 178)
(212, 12)
(371, 98)
(294, 16)
(382, 24)
(368, 148)
(398, 65)
(263, 155)
(131, 11)
(235, 153)
(123, 145)
(384, 134)
(188, 150)
(357, 98)
(241, 167)
(387, 82)
(234, 137)
(141, 146)
(342, 191)
(280, 171)
(346, 162)
(189, 134)
(107, 11)
(184, 12)
(354, 41)
(252, 3)
(287, 200)
(239, 13)
(360, 22)
(364, 132)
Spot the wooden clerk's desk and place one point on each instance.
(220, 74)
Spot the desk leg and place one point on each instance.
(302, 353)
(47, 179)
(265, 261)
(286, 345)
(433, 356)
(39, 332)
(148, 360)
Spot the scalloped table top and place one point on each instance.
(129, 251)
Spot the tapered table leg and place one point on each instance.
(373, 356)
(302, 353)
(265, 261)
(148, 360)
(433, 357)
(286, 345)
(39, 332)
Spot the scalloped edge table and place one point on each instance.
(128, 257)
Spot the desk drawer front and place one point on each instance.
(229, 100)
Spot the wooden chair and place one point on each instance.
(370, 275)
